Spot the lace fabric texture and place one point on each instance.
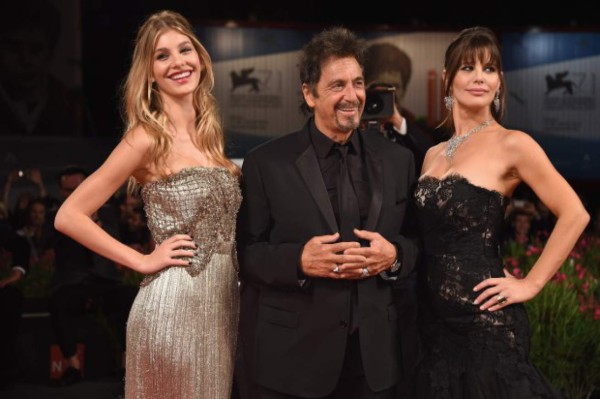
(182, 328)
(468, 353)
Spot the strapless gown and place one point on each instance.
(182, 328)
(468, 353)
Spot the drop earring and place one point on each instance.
(497, 102)
(448, 102)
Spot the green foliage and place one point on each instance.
(565, 316)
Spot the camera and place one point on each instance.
(379, 103)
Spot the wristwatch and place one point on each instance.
(395, 266)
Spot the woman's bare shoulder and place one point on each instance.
(516, 139)
(139, 139)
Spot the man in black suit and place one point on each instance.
(320, 242)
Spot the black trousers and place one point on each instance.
(352, 383)
(68, 303)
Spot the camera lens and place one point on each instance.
(373, 104)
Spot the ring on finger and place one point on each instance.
(501, 299)
(365, 271)
(336, 268)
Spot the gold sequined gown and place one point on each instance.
(182, 329)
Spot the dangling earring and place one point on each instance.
(149, 93)
(448, 102)
(497, 102)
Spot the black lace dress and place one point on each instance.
(468, 353)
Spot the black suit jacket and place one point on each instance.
(298, 339)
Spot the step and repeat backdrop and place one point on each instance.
(552, 80)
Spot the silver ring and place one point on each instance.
(501, 299)
(336, 269)
(365, 271)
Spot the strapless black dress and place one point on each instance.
(468, 353)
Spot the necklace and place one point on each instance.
(455, 141)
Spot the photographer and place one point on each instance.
(387, 71)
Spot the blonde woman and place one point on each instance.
(474, 325)
(182, 327)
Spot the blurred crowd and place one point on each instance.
(27, 210)
(38, 262)
(528, 219)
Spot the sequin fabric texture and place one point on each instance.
(468, 353)
(182, 329)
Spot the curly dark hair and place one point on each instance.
(336, 42)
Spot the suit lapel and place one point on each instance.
(308, 166)
(375, 173)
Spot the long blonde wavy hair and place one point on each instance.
(143, 104)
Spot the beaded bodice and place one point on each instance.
(200, 201)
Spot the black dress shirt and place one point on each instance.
(329, 163)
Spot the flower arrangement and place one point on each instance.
(565, 316)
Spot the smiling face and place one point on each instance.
(475, 84)
(338, 98)
(176, 68)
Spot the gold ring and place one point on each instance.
(365, 271)
(336, 269)
(501, 299)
